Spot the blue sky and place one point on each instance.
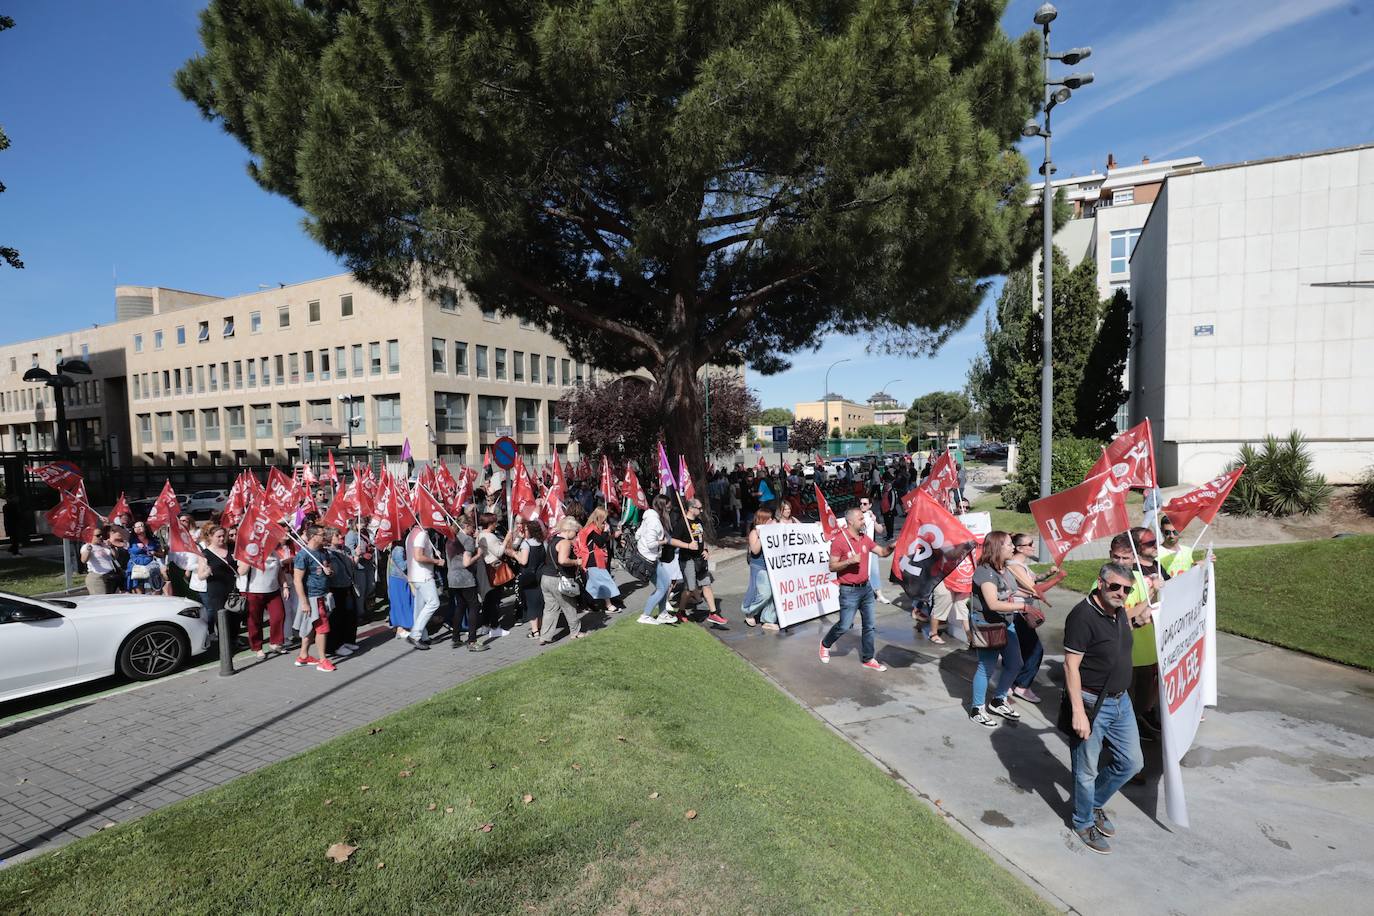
(112, 177)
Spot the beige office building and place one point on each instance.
(845, 415)
(231, 380)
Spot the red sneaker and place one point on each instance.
(825, 655)
(304, 660)
(874, 665)
(717, 619)
(325, 665)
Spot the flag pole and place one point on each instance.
(1205, 526)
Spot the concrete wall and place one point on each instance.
(1245, 245)
(1148, 363)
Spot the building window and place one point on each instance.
(534, 368)
(283, 316)
(254, 322)
(393, 357)
(491, 413)
(482, 371)
(448, 299)
(460, 357)
(374, 357)
(581, 372)
(202, 331)
(188, 424)
(233, 417)
(501, 363)
(138, 348)
(290, 418)
(176, 377)
(265, 370)
(556, 423)
(450, 412)
(252, 373)
(164, 427)
(310, 365)
(526, 415)
(346, 306)
(357, 360)
(138, 388)
(322, 411)
(200, 380)
(1123, 196)
(157, 340)
(526, 323)
(1123, 243)
(209, 420)
(489, 314)
(518, 366)
(359, 412)
(388, 413)
(340, 363)
(312, 311)
(550, 368)
(238, 373)
(262, 420)
(293, 366)
(324, 364)
(181, 335)
(145, 427)
(567, 371)
(228, 326)
(14, 364)
(438, 354)
(281, 369)
(214, 377)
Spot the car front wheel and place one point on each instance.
(153, 652)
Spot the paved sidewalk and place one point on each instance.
(69, 772)
(1280, 781)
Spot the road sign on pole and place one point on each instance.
(503, 453)
(780, 438)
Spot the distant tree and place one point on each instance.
(807, 435)
(1102, 391)
(9, 255)
(938, 412)
(774, 416)
(664, 186)
(835, 433)
(732, 405)
(880, 431)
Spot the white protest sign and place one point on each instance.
(1185, 633)
(798, 560)
(978, 524)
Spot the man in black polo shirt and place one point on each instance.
(1097, 671)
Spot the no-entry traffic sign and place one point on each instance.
(503, 453)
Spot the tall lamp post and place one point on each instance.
(826, 409)
(58, 381)
(1043, 17)
(350, 421)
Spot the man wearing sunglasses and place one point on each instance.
(1174, 557)
(1097, 673)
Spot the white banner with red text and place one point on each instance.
(798, 561)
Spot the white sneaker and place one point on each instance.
(498, 633)
(881, 597)
(645, 618)
(483, 631)
(344, 651)
(352, 646)
(402, 634)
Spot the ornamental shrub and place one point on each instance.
(1071, 459)
(1279, 480)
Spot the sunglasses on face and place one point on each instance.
(1147, 542)
(1114, 587)
(1169, 532)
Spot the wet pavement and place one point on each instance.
(1279, 783)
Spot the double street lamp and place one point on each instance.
(1053, 96)
(827, 402)
(58, 381)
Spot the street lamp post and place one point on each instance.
(350, 421)
(882, 441)
(826, 409)
(1043, 17)
(58, 381)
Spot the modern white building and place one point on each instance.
(1254, 312)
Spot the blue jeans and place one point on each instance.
(762, 606)
(855, 598)
(752, 592)
(1032, 653)
(663, 580)
(1115, 724)
(1010, 654)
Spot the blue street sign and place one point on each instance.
(503, 453)
(779, 435)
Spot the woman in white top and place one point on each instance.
(493, 551)
(102, 576)
(262, 591)
(872, 526)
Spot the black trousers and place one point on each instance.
(467, 610)
(343, 620)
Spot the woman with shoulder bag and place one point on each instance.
(102, 578)
(992, 608)
(220, 573)
(1030, 587)
(558, 577)
(402, 612)
(495, 576)
(650, 539)
(529, 556)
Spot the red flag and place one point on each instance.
(763, 465)
(280, 495)
(522, 492)
(179, 540)
(486, 458)
(333, 475)
(343, 508)
(608, 482)
(1203, 502)
(1130, 457)
(58, 476)
(944, 476)
(559, 487)
(121, 506)
(391, 523)
(463, 495)
(308, 475)
(73, 518)
(689, 489)
(446, 488)
(235, 504)
(830, 525)
(551, 511)
(932, 543)
(1093, 509)
(402, 496)
(630, 488)
(165, 509)
(430, 511)
(258, 534)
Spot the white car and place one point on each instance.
(207, 501)
(57, 642)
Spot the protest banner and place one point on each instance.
(1185, 637)
(798, 561)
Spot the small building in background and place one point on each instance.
(845, 415)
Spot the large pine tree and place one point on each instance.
(662, 183)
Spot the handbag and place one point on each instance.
(636, 565)
(1033, 616)
(987, 635)
(140, 574)
(236, 603)
(568, 586)
(499, 574)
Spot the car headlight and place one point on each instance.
(191, 611)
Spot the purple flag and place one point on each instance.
(665, 471)
(405, 450)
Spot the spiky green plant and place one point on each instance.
(1279, 480)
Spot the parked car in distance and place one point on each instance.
(207, 502)
(47, 644)
(139, 508)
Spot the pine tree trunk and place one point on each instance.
(682, 421)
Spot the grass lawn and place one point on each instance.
(643, 770)
(32, 576)
(1304, 595)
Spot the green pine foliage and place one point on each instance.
(1071, 460)
(1279, 480)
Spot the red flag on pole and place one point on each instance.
(830, 525)
(608, 482)
(631, 490)
(522, 492)
(121, 506)
(430, 511)
(236, 503)
(486, 458)
(258, 534)
(165, 509)
(72, 518)
(387, 511)
(344, 507)
(280, 496)
(932, 543)
(1130, 458)
(1203, 502)
(689, 489)
(58, 476)
(333, 475)
(1093, 509)
(763, 465)
(179, 540)
(944, 476)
